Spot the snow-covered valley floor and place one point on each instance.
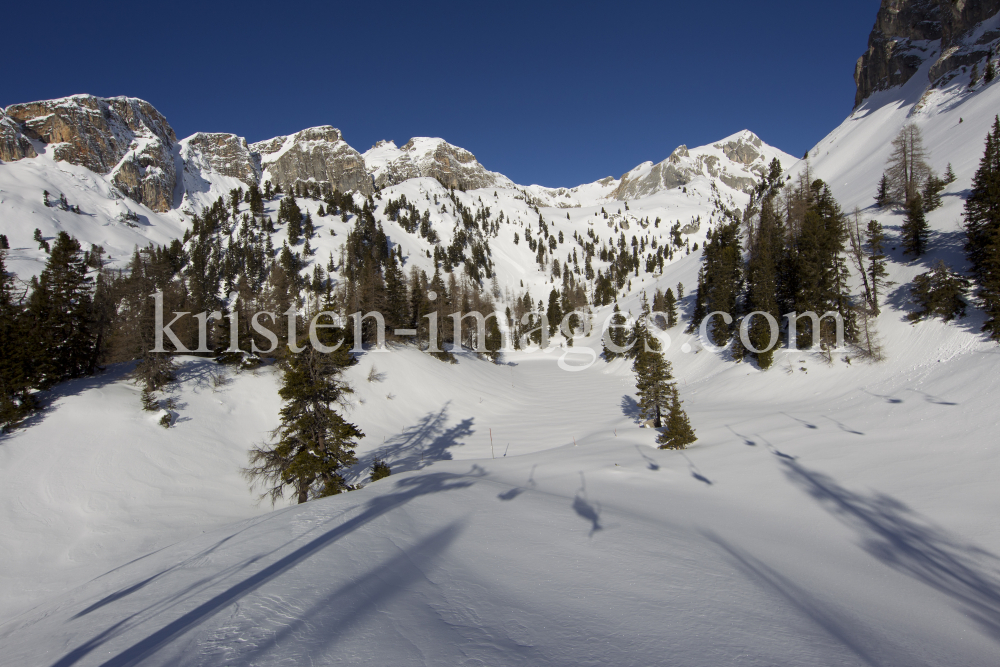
(840, 514)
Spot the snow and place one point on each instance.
(830, 513)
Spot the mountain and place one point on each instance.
(451, 166)
(318, 155)
(948, 35)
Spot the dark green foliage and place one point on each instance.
(16, 369)
(149, 402)
(60, 314)
(678, 434)
(974, 75)
(654, 384)
(882, 194)
(380, 470)
(990, 72)
(982, 227)
(949, 175)
(915, 230)
(939, 293)
(165, 421)
(616, 334)
(932, 193)
(4, 243)
(554, 312)
(314, 443)
(764, 248)
(670, 308)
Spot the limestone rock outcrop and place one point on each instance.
(909, 32)
(318, 155)
(123, 137)
(452, 166)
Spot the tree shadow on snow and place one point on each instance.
(912, 545)
(630, 408)
(420, 445)
(200, 609)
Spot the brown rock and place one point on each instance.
(317, 155)
(13, 144)
(121, 136)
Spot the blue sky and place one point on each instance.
(552, 93)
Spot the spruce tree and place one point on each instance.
(932, 193)
(678, 433)
(60, 312)
(877, 260)
(653, 382)
(615, 334)
(939, 293)
(949, 175)
(314, 443)
(990, 72)
(982, 228)
(670, 306)
(16, 376)
(974, 76)
(915, 230)
(882, 194)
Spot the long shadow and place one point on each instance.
(840, 626)
(583, 507)
(409, 489)
(331, 618)
(631, 409)
(422, 444)
(910, 544)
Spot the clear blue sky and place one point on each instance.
(545, 92)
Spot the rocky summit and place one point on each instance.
(908, 33)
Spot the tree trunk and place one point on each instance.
(656, 420)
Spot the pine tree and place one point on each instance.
(554, 312)
(313, 444)
(974, 76)
(982, 228)
(670, 306)
(882, 195)
(615, 334)
(15, 366)
(4, 243)
(939, 293)
(991, 72)
(949, 175)
(678, 433)
(915, 230)
(653, 382)
(60, 312)
(932, 193)
(380, 470)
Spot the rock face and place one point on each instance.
(452, 166)
(738, 161)
(121, 136)
(318, 155)
(225, 154)
(13, 144)
(908, 32)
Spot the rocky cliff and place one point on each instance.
(123, 137)
(452, 166)
(317, 155)
(909, 32)
(220, 153)
(13, 144)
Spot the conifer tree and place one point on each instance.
(982, 228)
(949, 175)
(616, 335)
(990, 72)
(15, 367)
(882, 195)
(932, 193)
(60, 312)
(670, 306)
(314, 444)
(939, 293)
(974, 75)
(554, 312)
(915, 230)
(907, 169)
(678, 433)
(654, 384)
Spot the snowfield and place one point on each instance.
(831, 513)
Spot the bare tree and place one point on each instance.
(907, 167)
